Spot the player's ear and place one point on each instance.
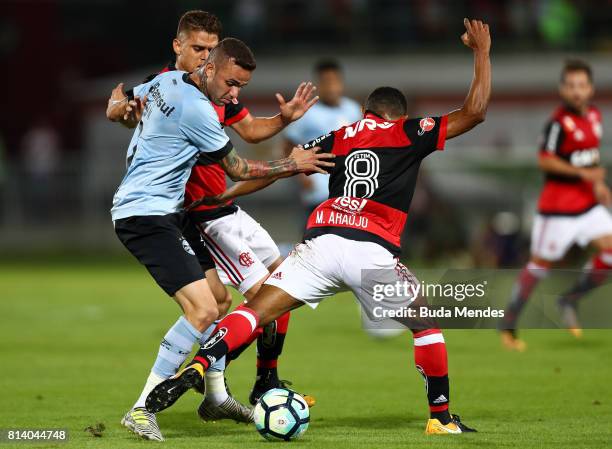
(209, 69)
(176, 46)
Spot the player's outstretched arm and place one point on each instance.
(551, 163)
(474, 107)
(121, 109)
(241, 188)
(299, 161)
(255, 129)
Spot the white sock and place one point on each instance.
(152, 381)
(215, 387)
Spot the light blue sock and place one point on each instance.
(219, 365)
(175, 347)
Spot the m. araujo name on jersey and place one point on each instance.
(178, 124)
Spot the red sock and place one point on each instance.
(524, 285)
(432, 362)
(232, 332)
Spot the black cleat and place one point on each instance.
(170, 390)
(263, 385)
(462, 426)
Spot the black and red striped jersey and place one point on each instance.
(207, 177)
(574, 138)
(373, 180)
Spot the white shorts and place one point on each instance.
(241, 248)
(552, 236)
(328, 264)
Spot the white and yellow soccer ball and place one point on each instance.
(281, 414)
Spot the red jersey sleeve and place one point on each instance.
(234, 113)
(326, 144)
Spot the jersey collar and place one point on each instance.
(375, 116)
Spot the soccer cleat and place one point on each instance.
(261, 386)
(569, 316)
(511, 341)
(455, 426)
(170, 390)
(228, 409)
(142, 423)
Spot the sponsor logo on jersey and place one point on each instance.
(585, 158)
(278, 275)
(187, 246)
(155, 97)
(245, 259)
(349, 205)
(351, 131)
(215, 338)
(316, 141)
(426, 124)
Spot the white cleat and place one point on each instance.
(142, 423)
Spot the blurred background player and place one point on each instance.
(233, 233)
(572, 205)
(358, 228)
(332, 111)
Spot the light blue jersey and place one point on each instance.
(178, 123)
(319, 120)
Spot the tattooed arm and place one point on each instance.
(299, 161)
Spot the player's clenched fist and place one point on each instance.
(476, 35)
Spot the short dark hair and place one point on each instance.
(198, 20)
(387, 101)
(576, 65)
(325, 65)
(233, 49)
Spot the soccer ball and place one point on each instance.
(281, 414)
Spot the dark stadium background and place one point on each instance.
(60, 160)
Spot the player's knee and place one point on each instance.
(224, 303)
(202, 315)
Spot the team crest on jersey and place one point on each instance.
(426, 124)
(187, 246)
(245, 259)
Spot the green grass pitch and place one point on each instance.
(78, 339)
